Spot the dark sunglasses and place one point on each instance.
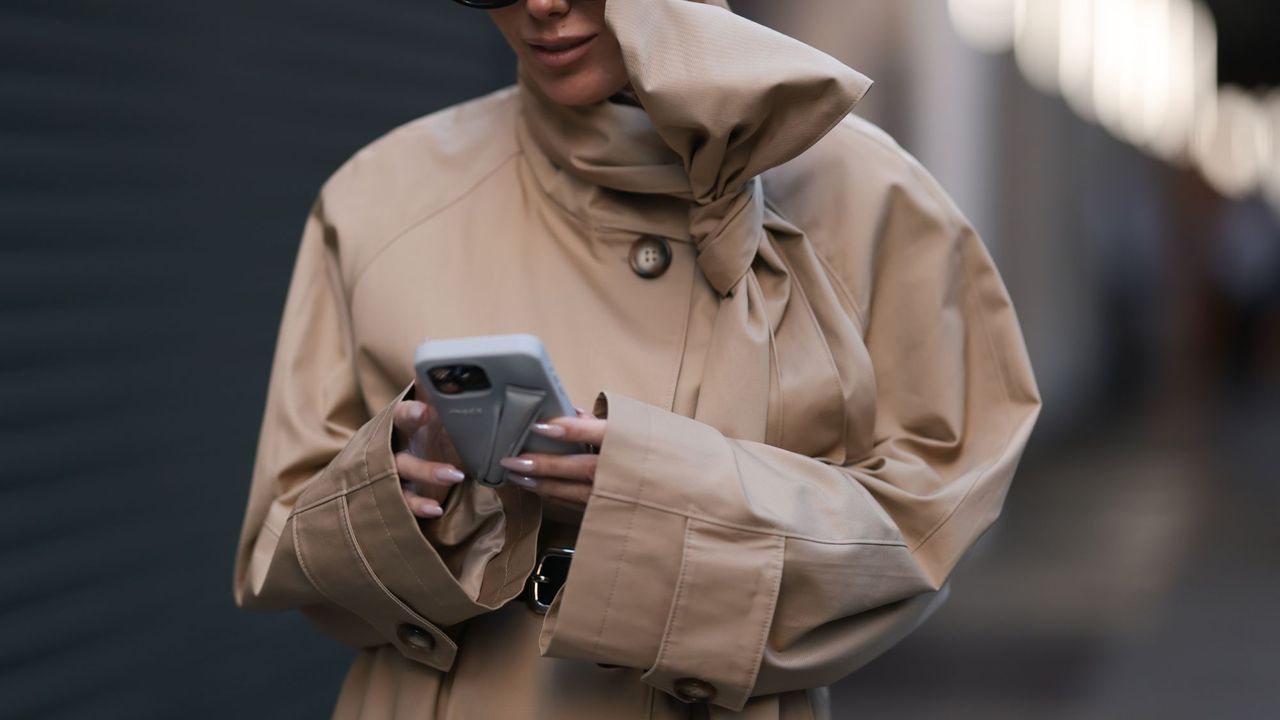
(486, 4)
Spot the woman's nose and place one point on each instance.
(544, 9)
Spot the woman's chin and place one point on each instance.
(584, 88)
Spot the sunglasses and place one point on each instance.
(486, 4)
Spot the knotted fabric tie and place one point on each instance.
(714, 115)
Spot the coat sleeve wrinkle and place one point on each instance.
(327, 529)
(760, 570)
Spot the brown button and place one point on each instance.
(693, 690)
(416, 638)
(650, 256)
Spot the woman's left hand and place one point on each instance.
(564, 478)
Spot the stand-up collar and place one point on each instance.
(723, 99)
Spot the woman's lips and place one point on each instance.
(561, 52)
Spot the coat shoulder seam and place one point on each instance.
(359, 273)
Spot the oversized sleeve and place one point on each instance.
(327, 529)
(727, 569)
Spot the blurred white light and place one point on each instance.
(1115, 31)
(1169, 116)
(1271, 165)
(1233, 142)
(1075, 55)
(1037, 34)
(1147, 70)
(1145, 103)
(1204, 69)
(984, 24)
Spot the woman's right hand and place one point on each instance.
(426, 459)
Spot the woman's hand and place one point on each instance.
(426, 459)
(565, 479)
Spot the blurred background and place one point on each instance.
(1120, 158)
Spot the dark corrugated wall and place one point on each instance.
(156, 164)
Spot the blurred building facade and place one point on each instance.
(1133, 570)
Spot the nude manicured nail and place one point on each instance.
(517, 464)
(523, 481)
(431, 511)
(450, 475)
(548, 430)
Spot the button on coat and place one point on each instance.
(693, 690)
(416, 637)
(650, 256)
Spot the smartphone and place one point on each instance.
(489, 390)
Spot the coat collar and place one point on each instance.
(723, 100)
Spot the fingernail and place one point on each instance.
(431, 511)
(548, 430)
(450, 475)
(517, 464)
(523, 481)
(418, 412)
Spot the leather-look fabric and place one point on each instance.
(816, 388)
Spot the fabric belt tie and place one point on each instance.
(702, 136)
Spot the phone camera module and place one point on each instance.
(471, 378)
(457, 379)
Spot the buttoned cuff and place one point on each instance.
(362, 548)
(656, 582)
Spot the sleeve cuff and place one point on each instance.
(362, 548)
(655, 583)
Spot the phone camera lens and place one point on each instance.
(472, 377)
(456, 379)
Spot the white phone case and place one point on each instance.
(491, 422)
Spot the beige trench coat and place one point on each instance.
(814, 411)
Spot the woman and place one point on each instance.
(812, 390)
